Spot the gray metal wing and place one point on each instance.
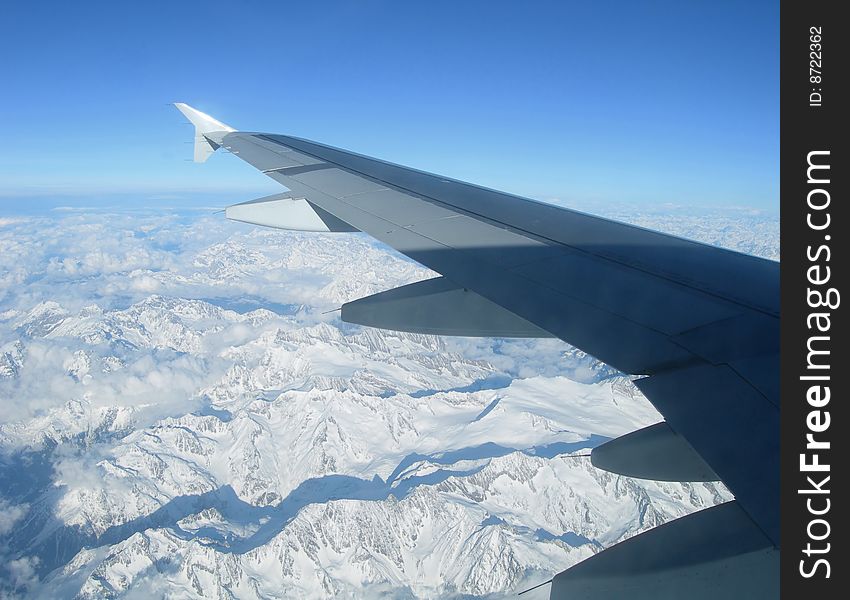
(700, 322)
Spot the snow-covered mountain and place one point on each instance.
(190, 424)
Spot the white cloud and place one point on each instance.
(154, 381)
(22, 573)
(143, 282)
(10, 514)
(107, 347)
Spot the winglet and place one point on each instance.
(208, 131)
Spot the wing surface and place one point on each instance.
(699, 322)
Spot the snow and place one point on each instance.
(180, 418)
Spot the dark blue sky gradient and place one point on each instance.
(629, 102)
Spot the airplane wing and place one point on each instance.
(699, 323)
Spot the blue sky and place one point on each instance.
(626, 102)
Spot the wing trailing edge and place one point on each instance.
(713, 553)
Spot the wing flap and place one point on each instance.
(653, 302)
(402, 209)
(714, 553)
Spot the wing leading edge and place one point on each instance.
(700, 322)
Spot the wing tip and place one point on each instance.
(203, 122)
(208, 131)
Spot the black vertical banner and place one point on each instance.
(815, 225)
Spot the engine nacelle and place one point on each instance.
(438, 307)
(655, 452)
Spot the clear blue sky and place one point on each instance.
(625, 102)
